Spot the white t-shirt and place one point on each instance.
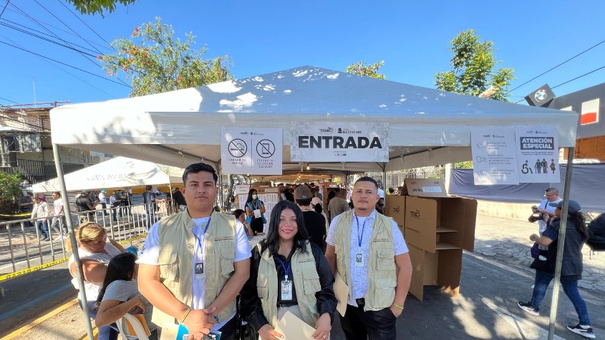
(151, 252)
(57, 204)
(545, 204)
(102, 198)
(123, 291)
(359, 274)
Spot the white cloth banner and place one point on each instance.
(339, 142)
(538, 154)
(494, 156)
(251, 151)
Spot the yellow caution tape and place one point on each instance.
(53, 263)
(30, 270)
(17, 215)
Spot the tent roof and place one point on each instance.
(426, 126)
(119, 172)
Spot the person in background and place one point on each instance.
(113, 203)
(240, 215)
(85, 204)
(313, 222)
(150, 206)
(26, 203)
(551, 195)
(103, 201)
(58, 222)
(179, 200)
(338, 204)
(254, 204)
(95, 250)
(195, 263)
(367, 250)
(304, 284)
(576, 235)
(119, 294)
(39, 218)
(41, 196)
(316, 204)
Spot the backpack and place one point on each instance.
(596, 233)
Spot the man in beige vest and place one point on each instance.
(194, 263)
(366, 249)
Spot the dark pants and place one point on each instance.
(228, 330)
(257, 225)
(378, 325)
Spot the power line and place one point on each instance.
(82, 21)
(123, 83)
(578, 77)
(543, 73)
(4, 9)
(62, 63)
(48, 40)
(61, 21)
(8, 100)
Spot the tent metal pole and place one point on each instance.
(561, 244)
(72, 238)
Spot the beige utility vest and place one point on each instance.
(303, 272)
(381, 270)
(177, 246)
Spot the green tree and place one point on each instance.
(361, 69)
(474, 70)
(157, 62)
(10, 192)
(98, 6)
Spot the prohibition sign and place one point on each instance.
(237, 148)
(265, 148)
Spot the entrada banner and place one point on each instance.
(340, 142)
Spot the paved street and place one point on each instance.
(494, 278)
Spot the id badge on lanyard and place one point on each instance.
(285, 286)
(359, 258)
(200, 268)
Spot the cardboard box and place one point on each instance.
(437, 229)
(425, 187)
(395, 208)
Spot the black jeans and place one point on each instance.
(378, 325)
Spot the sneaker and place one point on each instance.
(58, 238)
(585, 331)
(527, 307)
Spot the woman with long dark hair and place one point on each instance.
(120, 295)
(576, 235)
(256, 220)
(288, 274)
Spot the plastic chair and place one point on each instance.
(129, 323)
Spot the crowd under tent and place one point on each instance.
(425, 126)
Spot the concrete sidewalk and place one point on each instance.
(494, 278)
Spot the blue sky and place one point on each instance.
(412, 37)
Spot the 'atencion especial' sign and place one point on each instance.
(340, 142)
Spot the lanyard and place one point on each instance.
(360, 236)
(199, 241)
(287, 269)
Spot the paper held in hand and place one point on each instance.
(257, 213)
(341, 290)
(293, 328)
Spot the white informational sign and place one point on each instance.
(494, 156)
(538, 154)
(242, 189)
(251, 151)
(339, 142)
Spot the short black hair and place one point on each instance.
(367, 179)
(238, 212)
(147, 187)
(199, 167)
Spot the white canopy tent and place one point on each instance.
(426, 126)
(119, 172)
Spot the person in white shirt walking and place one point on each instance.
(58, 222)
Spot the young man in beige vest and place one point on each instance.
(366, 249)
(195, 263)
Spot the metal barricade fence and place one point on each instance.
(23, 247)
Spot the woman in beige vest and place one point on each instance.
(288, 274)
